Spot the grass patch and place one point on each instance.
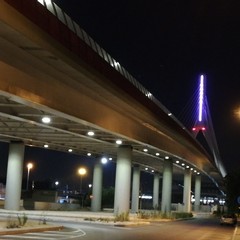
(122, 217)
(159, 215)
(177, 215)
(17, 222)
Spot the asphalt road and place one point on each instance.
(195, 229)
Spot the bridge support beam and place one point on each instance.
(135, 189)
(96, 202)
(123, 180)
(187, 191)
(14, 176)
(167, 186)
(156, 191)
(197, 192)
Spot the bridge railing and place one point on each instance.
(74, 27)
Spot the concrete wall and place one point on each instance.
(35, 205)
(44, 196)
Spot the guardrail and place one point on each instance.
(74, 27)
(33, 10)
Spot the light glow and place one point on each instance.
(29, 166)
(46, 119)
(82, 171)
(237, 112)
(145, 197)
(119, 141)
(90, 133)
(104, 160)
(201, 94)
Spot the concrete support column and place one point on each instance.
(187, 191)
(167, 186)
(135, 189)
(96, 202)
(197, 192)
(14, 176)
(156, 191)
(123, 180)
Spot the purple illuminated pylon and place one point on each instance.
(199, 124)
(201, 96)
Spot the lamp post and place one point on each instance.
(29, 167)
(81, 171)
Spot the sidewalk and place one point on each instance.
(236, 235)
(58, 215)
(44, 220)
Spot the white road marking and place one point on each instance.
(48, 235)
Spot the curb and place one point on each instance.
(29, 230)
(130, 224)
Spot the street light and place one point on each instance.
(237, 113)
(29, 167)
(82, 171)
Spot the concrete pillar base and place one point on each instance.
(123, 180)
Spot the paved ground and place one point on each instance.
(10, 225)
(44, 220)
(237, 233)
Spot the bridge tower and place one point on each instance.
(203, 124)
(201, 121)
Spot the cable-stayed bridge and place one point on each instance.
(51, 67)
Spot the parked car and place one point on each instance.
(229, 219)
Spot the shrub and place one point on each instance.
(177, 215)
(13, 223)
(22, 220)
(122, 217)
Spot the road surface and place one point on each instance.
(195, 229)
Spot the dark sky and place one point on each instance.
(166, 44)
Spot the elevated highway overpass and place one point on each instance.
(51, 67)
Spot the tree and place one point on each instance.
(233, 190)
(108, 197)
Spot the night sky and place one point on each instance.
(166, 45)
